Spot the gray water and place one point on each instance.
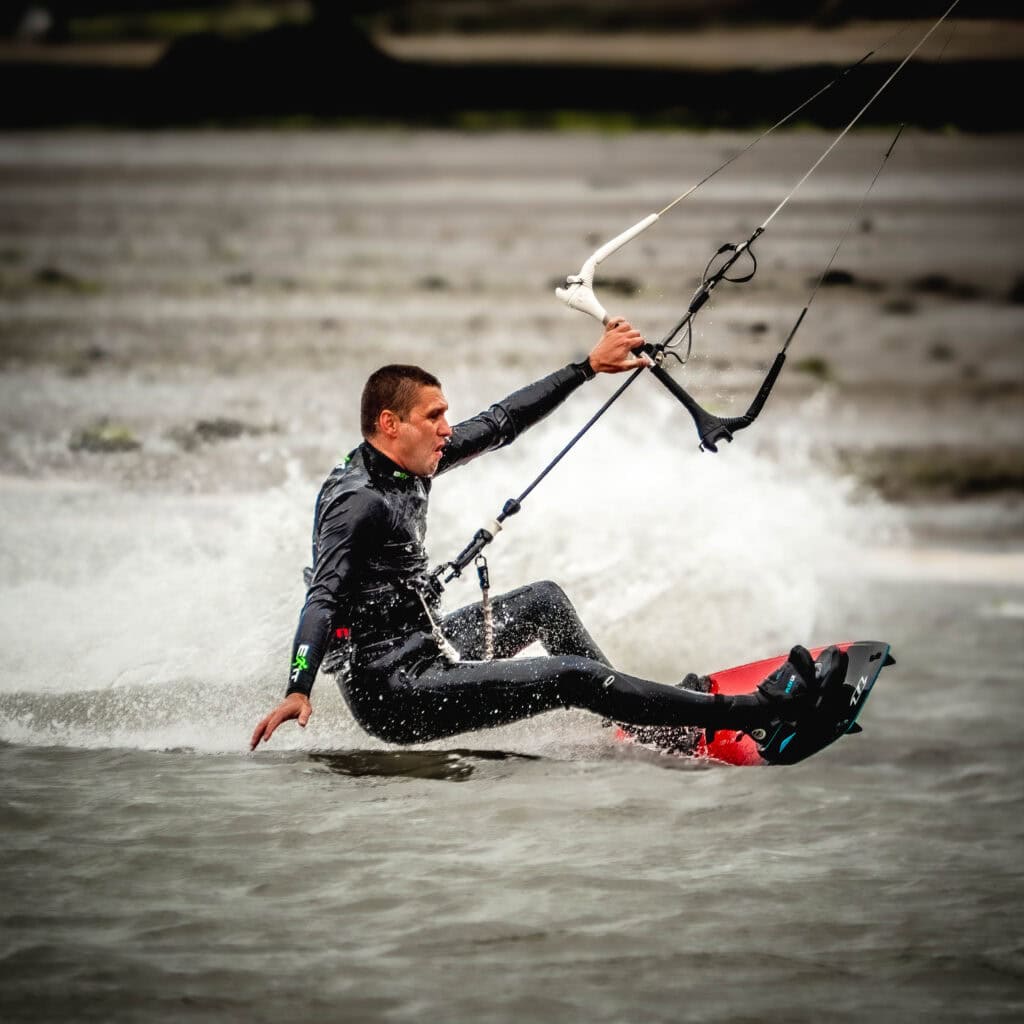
(153, 869)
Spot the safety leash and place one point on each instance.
(485, 603)
(443, 643)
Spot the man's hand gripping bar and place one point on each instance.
(711, 429)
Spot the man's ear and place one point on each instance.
(387, 423)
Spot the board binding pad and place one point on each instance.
(785, 743)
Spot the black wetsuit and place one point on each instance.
(366, 619)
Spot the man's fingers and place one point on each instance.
(258, 734)
(275, 720)
(291, 708)
(619, 349)
(622, 327)
(265, 729)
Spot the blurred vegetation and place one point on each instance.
(114, 20)
(815, 366)
(416, 16)
(225, 19)
(121, 20)
(902, 474)
(298, 63)
(104, 437)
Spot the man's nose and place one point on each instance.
(444, 430)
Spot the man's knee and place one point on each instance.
(550, 594)
(577, 676)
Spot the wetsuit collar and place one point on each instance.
(381, 467)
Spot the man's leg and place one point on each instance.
(539, 611)
(449, 698)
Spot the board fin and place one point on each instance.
(855, 728)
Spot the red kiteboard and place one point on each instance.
(783, 743)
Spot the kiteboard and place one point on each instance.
(783, 743)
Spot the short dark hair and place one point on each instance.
(391, 387)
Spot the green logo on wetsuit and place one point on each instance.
(401, 476)
(300, 662)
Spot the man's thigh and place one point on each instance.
(464, 696)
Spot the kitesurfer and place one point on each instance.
(371, 613)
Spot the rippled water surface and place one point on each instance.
(151, 869)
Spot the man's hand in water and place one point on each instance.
(614, 352)
(295, 705)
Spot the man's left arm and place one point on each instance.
(504, 421)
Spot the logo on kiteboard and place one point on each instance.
(858, 691)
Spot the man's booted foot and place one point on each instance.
(833, 690)
(798, 688)
(792, 689)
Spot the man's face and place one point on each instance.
(423, 433)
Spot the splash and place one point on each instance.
(165, 620)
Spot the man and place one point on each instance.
(409, 676)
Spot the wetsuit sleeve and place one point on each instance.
(504, 421)
(346, 529)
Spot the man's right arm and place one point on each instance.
(344, 529)
(506, 420)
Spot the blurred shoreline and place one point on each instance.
(714, 47)
(333, 73)
(720, 47)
